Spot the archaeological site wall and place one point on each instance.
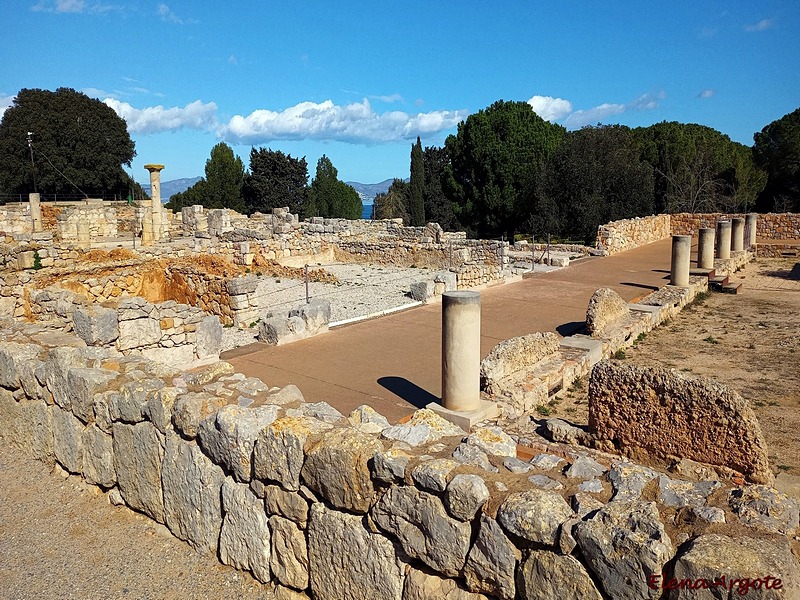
(331, 507)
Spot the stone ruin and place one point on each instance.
(330, 506)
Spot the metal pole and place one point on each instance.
(548, 249)
(307, 298)
(533, 253)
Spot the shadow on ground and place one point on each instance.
(408, 391)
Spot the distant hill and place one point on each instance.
(368, 191)
(174, 186)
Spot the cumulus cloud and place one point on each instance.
(156, 119)
(705, 94)
(598, 114)
(762, 25)
(549, 108)
(5, 103)
(354, 123)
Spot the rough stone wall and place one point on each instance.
(516, 354)
(627, 234)
(15, 219)
(772, 226)
(351, 508)
(102, 221)
(667, 414)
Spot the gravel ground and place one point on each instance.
(363, 290)
(60, 538)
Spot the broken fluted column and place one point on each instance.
(156, 209)
(723, 239)
(751, 222)
(681, 250)
(705, 248)
(34, 200)
(737, 235)
(461, 350)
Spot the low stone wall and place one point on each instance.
(777, 250)
(15, 219)
(100, 219)
(669, 415)
(339, 508)
(770, 226)
(627, 234)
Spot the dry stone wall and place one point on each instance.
(15, 219)
(339, 508)
(100, 220)
(772, 226)
(627, 234)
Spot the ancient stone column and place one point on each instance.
(751, 221)
(461, 348)
(705, 248)
(84, 239)
(36, 212)
(737, 235)
(723, 239)
(681, 251)
(147, 232)
(157, 210)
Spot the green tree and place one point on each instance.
(777, 151)
(394, 203)
(220, 188)
(596, 175)
(79, 145)
(416, 207)
(275, 180)
(330, 197)
(496, 158)
(438, 208)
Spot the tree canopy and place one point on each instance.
(275, 180)
(496, 158)
(416, 201)
(79, 145)
(777, 151)
(438, 208)
(222, 185)
(329, 197)
(393, 204)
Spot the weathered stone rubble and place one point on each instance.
(335, 508)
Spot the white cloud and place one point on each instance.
(354, 123)
(762, 25)
(599, 113)
(5, 103)
(705, 94)
(232, 60)
(549, 108)
(391, 98)
(167, 15)
(156, 119)
(73, 6)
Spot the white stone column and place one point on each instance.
(737, 235)
(723, 239)
(34, 200)
(751, 223)
(681, 251)
(705, 248)
(461, 350)
(157, 210)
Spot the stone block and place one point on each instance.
(209, 337)
(421, 290)
(244, 540)
(606, 308)
(138, 455)
(138, 333)
(68, 440)
(98, 458)
(96, 325)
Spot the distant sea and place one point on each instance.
(366, 213)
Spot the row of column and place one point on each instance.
(731, 236)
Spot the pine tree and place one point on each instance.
(416, 207)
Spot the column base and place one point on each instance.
(466, 419)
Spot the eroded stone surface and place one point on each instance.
(545, 575)
(465, 496)
(492, 561)
(534, 515)
(244, 540)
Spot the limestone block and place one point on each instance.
(56, 368)
(492, 561)
(96, 325)
(138, 333)
(623, 544)
(279, 451)
(209, 337)
(158, 407)
(424, 427)
(191, 486)
(545, 574)
(280, 330)
(516, 354)
(316, 315)
(743, 558)
(465, 496)
(138, 454)
(421, 290)
(493, 441)
(420, 585)
(129, 404)
(534, 515)
(432, 474)
(190, 409)
(11, 356)
(628, 406)
(367, 420)
(606, 308)
(68, 440)
(337, 469)
(423, 528)
(289, 556)
(347, 561)
(98, 458)
(177, 356)
(242, 285)
(390, 465)
(289, 505)
(244, 540)
(229, 435)
(84, 384)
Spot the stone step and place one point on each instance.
(731, 288)
(717, 282)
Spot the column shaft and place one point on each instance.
(461, 346)
(723, 239)
(737, 235)
(705, 248)
(681, 251)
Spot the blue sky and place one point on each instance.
(359, 81)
